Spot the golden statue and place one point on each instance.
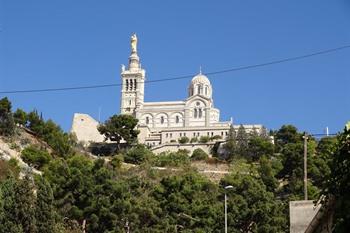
(134, 43)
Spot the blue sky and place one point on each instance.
(45, 44)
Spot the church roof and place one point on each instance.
(200, 78)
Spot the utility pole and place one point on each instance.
(305, 166)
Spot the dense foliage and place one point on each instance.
(338, 186)
(164, 193)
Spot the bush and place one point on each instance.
(138, 154)
(172, 159)
(172, 140)
(215, 137)
(184, 140)
(35, 156)
(195, 139)
(117, 161)
(199, 154)
(204, 139)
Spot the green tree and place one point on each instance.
(287, 134)
(251, 208)
(44, 208)
(120, 127)
(230, 146)
(7, 125)
(339, 182)
(20, 117)
(257, 147)
(267, 174)
(242, 139)
(35, 156)
(9, 220)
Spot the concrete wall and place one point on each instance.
(301, 214)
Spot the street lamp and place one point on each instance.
(226, 188)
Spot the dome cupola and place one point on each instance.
(200, 85)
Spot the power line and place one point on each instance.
(185, 76)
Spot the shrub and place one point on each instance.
(184, 140)
(138, 154)
(195, 139)
(199, 154)
(35, 156)
(172, 159)
(215, 137)
(172, 140)
(204, 139)
(117, 161)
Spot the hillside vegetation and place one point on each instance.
(74, 191)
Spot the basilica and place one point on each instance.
(163, 124)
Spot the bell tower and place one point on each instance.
(133, 82)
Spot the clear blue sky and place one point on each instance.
(61, 43)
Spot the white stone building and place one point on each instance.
(162, 124)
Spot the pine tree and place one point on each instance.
(9, 206)
(7, 125)
(44, 210)
(26, 204)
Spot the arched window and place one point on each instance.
(206, 90)
(135, 86)
(147, 120)
(177, 119)
(195, 113)
(127, 85)
(162, 120)
(200, 113)
(131, 85)
(198, 89)
(129, 102)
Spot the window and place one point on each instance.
(177, 119)
(162, 120)
(208, 133)
(166, 135)
(198, 134)
(222, 133)
(131, 86)
(200, 113)
(147, 120)
(206, 90)
(171, 135)
(198, 89)
(180, 134)
(184, 134)
(135, 84)
(129, 102)
(195, 113)
(212, 133)
(194, 134)
(127, 84)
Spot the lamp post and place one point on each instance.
(226, 188)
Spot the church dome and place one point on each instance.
(200, 85)
(200, 79)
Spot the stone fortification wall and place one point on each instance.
(85, 129)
